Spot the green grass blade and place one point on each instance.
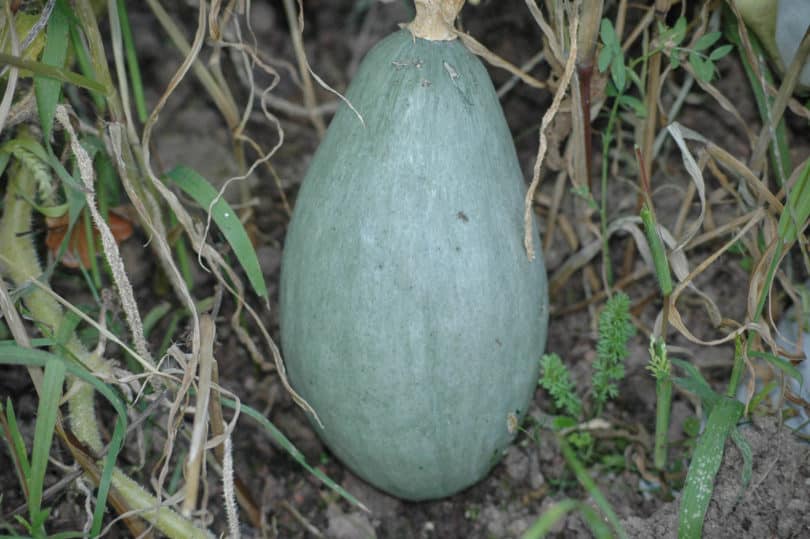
(797, 210)
(48, 89)
(659, 254)
(86, 66)
(4, 158)
(198, 188)
(543, 525)
(748, 458)
(19, 450)
(293, 451)
(585, 480)
(695, 383)
(63, 75)
(132, 62)
(780, 363)
(706, 462)
(154, 316)
(182, 252)
(105, 481)
(12, 354)
(47, 411)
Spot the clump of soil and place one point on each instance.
(774, 504)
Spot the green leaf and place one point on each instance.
(48, 89)
(634, 104)
(706, 460)
(706, 41)
(604, 59)
(761, 395)
(720, 52)
(617, 72)
(608, 35)
(555, 378)
(660, 260)
(562, 422)
(674, 60)
(704, 69)
(748, 458)
(198, 188)
(17, 441)
(47, 411)
(635, 79)
(679, 31)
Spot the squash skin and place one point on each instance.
(411, 318)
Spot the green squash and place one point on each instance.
(411, 318)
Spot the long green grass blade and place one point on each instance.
(797, 210)
(695, 383)
(293, 451)
(590, 486)
(659, 254)
(544, 524)
(86, 66)
(132, 62)
(20, 451)
(47, 411)
(63, 75)
(48, 89)
(748, 458)
(706, 460)
(198, 188)
(12, 354)
(780, 363)
(154, 316)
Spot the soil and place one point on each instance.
(532, 475)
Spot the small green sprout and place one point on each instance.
(555, 378)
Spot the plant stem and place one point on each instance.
(738, 368)
(663, 391)
(607, 139)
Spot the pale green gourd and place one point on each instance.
(411, 318)
(780, 25)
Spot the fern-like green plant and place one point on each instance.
(615, 330)
(555, 379)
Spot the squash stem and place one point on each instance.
(435, 19)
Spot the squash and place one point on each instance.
(780, 26)
(412, 319)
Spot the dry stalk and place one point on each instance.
(8, 95)
(108, 242)
(548, 117)
(199, 431)
(296, 22)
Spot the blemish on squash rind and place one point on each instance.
(463, 217)
(511, 422)
(451, 71)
